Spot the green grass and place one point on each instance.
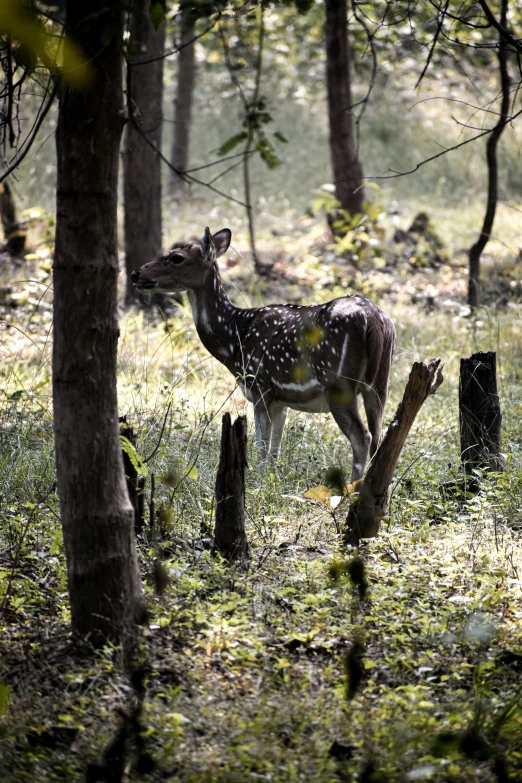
(246, 671)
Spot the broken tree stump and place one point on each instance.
(15, 236)
(479, 413)
(365, 515)
(229, 534)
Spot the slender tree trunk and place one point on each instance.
(141, 165)
(97, 517)
(347, 169)
(477, 249)
(183, 101)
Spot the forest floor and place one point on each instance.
(284, 672)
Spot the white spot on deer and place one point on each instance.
(343, 354)
(298, 387)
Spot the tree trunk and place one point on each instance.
(480, 414)
(229, 536)
(97, 517)
(347, 169)
(183, 101)
(364, 517)
(141, 164)
(477, 249)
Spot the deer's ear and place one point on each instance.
(222, 241)
(206, 243)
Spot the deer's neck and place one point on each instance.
(214, 316)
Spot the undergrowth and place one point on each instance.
(247, 676)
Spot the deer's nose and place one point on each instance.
(135, 276)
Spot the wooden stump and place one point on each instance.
(14, 235)
(479, 413)
(229, 535)
(364, 517)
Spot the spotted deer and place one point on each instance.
(316, 359)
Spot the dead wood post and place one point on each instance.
(135, 483)
(479, 413)
(14, 234)
(364, 517)
(229, 535)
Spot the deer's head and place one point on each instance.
(184, 267)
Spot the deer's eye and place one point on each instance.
(175, 259)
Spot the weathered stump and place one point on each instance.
(14, 234)
(365, 515)
(229, 535)
(135, 483)
(479, 413)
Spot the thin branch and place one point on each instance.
(182, 174)
(394, 174)
(181, 46)
(506, 35)
(160, 435)
(28, 143)
(438, 31)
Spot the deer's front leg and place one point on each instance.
(263, 424)
(278, 418)
(269, 422)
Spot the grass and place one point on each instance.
(247, 675)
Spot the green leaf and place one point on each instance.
(191, 472)
(157, 11)
(268, 154)
(232, 142)
(17, 394)
(136, 460)
(279, 136)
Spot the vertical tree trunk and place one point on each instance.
(347, 169)
(97, 518)
(141, 165)
(183, 100)
(480, 414)
(229, 536)
(477, 249)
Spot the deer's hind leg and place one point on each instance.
(374, 408)
(374, 398)
(349, 420)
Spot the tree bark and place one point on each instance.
(183, 101)
(480, 414)
(477, 249)
(347, 169)
(97, 517)
(364, 517)
(229, 536)
(141, 164)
